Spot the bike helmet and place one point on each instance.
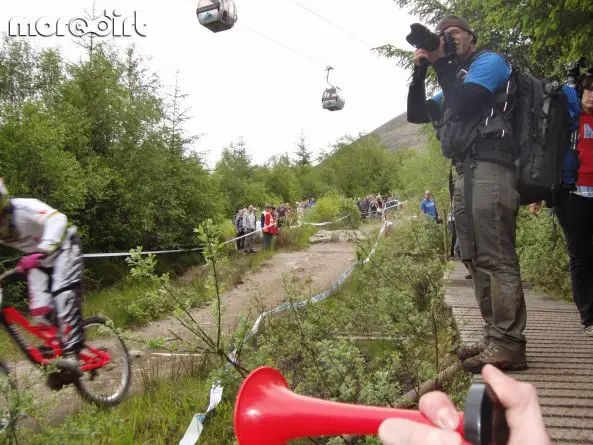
(3, 195)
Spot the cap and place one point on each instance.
(453, 20)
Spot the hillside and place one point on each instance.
(399, 133)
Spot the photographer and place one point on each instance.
(474, 131)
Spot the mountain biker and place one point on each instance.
(53, 265)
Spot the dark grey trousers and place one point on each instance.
(493, 262)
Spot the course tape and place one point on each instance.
(103, 255)
(196, 425)
(199, 249)
(321, 223)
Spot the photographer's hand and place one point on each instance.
(420, 55)
(431, 56)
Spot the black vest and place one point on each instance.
(486, 136)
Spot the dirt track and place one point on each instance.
(312, 269)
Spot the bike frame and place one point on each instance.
(10, 318)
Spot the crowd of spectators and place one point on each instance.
(375, 206)
(269, 222)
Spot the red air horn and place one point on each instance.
(267, 412)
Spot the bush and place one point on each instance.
(332, 207)
(297, 237)
(542, 253)
(398, 296)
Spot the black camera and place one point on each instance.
(422, 37)
(573, 70)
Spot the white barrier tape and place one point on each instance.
(196, 249)
(101, 255)
(176, 354)
(320, 224)
(248, 234)
(196, 426)
(372, 252)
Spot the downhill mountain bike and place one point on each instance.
(104, 375)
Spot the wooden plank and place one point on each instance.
(559, 357)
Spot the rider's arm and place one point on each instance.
(54, 224)
(487, 74)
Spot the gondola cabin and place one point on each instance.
(333, 99)
(217, 15)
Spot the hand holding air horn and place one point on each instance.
(268, 413)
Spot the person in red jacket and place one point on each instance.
(576, 214)
(269, 227)
(575, 210)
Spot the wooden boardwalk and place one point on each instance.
(559, 356)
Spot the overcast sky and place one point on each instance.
(242, 84)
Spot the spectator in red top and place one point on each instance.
(575, 209)
(269, 227)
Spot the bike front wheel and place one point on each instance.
(107, 385)
(10, 404)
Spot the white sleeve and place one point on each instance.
(54, 229)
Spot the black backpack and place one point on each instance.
(540, 127)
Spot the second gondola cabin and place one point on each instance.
(217, 15)
(333, 99)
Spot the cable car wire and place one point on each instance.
(333, 24)
(283, 45)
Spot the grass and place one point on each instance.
(158, 417)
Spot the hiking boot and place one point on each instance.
(465, 352)
(497, 356)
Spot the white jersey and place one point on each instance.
(33, 227)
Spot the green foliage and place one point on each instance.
(95, 140)
(542, 253)
(145, 295)
(404, 305)
(332, 207)
(362, 167)
(282, 179)
(426, 171)
(538, 35)
(297, 237)
(160, 417)
(155, 300)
